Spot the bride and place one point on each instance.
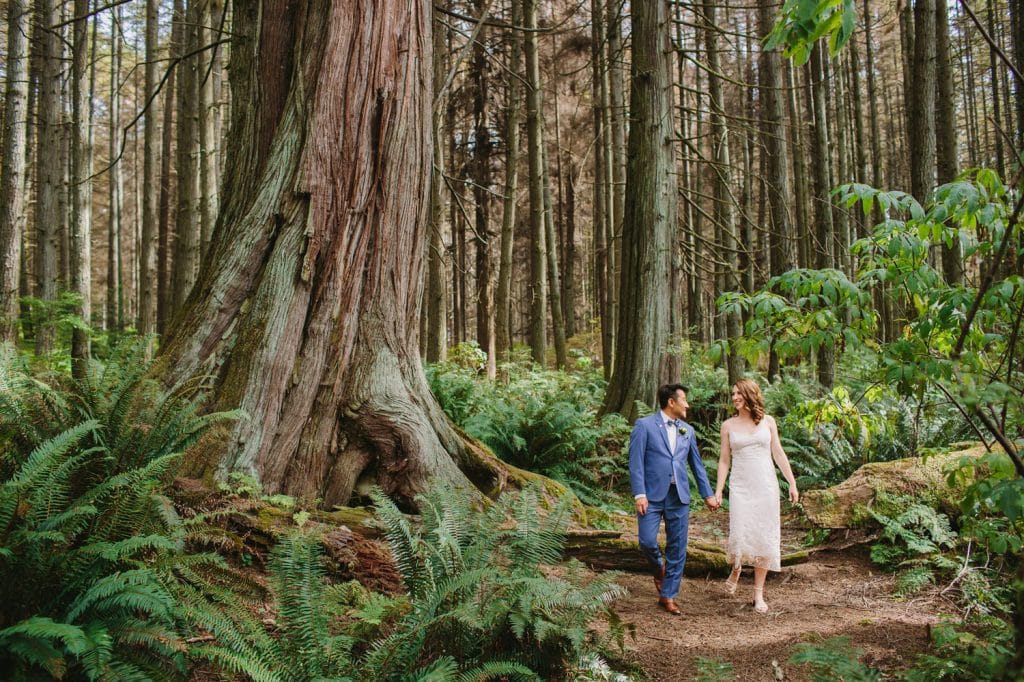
(750, 441)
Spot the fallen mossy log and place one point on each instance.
(845, 505)
(599, 551)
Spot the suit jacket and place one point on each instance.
(652, 465)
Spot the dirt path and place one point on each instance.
(834, 593)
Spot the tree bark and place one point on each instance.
(164, 257)
(147, 290)
(12, 166)
(81, 188)
(508, 216)
(825, 234)
(115, 292)
(436, 312)
(922, 125)
(724, 204)
(650, 214)
(50, 216)
(535, 152)
(189, 218)
(481, 174)
(554, 276)
(602, 211)
(773, 133)
(306, 313)
(945, 130)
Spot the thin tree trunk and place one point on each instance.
(650, 213)
(554, 277)
(311, 325)
(801, 189)
(508, 216)
(481, 174)
(773, 131)
(115, 292)
(841, 244)
(148, 284)
(994, 64)
(535, 149)
(617, 127)
(81, 188)
(189, 220)
(51, 165)
(825, 256)
(164, 256)
(207, 132)
(437, 314)
(945, 131)
(724, 207)
(12, 165)
(602, 170)
(922, 128)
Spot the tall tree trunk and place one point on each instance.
(208, 14)
(801, 185)
(773, 132)
(164, 257)
(724, 207)
(841, 244)
(115, 292)
(995, 68)
(617, 127)
(945, 130)
(12, 165)
(603, 212)
(189, 220)
(922, 131)
(650, 213)
(51, 168)
(569, 253)
(535, 149)
(306, 313)
(147, 290)
(437, 313)
(876, 136)
(508, 216)
(481, 174)
(825, 234)
(554, 277)
(81, 187)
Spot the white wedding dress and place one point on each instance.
(754, 526)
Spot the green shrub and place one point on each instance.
(89, 544)
(979, 653)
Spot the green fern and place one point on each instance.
(834, 659)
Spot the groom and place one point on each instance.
(660, 447)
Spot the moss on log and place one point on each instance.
(845, 505)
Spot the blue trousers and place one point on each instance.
(677, 525)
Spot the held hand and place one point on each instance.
(794, 494)
(718, 498)
(712, 502)
(641, 505)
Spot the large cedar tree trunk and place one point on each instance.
(305, 309)
(650, 214)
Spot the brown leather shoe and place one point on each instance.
(659, 578)
(669, 605)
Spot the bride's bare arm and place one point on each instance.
(779, 455)
(724, 459)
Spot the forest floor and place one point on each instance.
(836, 592)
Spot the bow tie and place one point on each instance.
(672, 422)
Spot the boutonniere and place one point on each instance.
(682, 430)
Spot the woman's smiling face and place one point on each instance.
(737, 400)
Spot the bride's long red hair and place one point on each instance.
(751, 394)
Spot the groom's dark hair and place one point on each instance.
(668, 391)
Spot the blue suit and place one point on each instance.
(652, 466)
